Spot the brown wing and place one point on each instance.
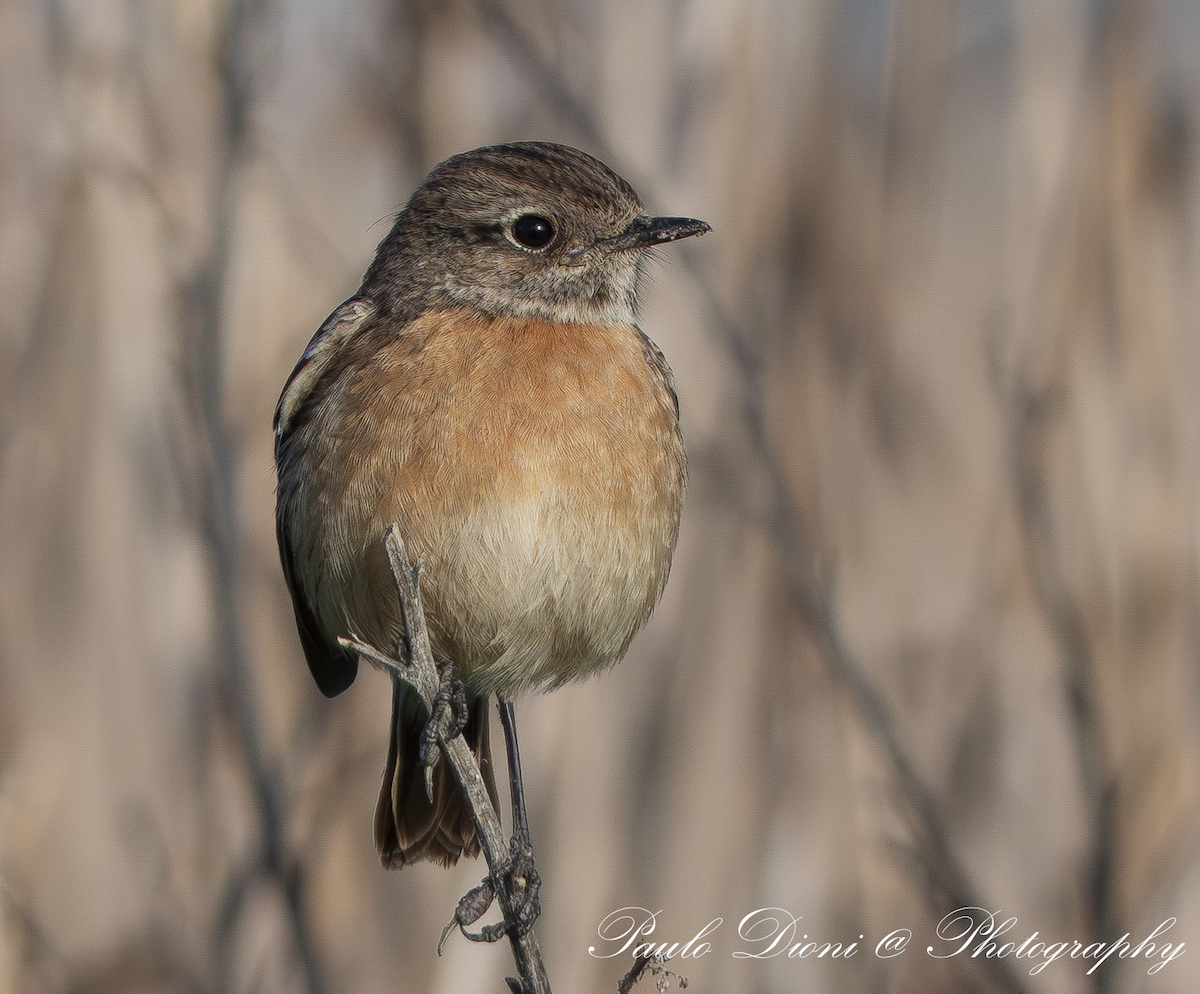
(332, 667)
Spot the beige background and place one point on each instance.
(939, 368)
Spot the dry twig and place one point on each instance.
(419, 672)
(656, 966)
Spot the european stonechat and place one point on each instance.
(489, 390)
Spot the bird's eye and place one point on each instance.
(533, 231)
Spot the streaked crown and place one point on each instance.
(530, 228)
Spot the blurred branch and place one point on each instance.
(221, 531)
(395, 77)
(950, 886)
(548, 82)
(146, 960)
(419, 672)
(1028, 415)
(1031, 409)
(37, 938)
(310, 238)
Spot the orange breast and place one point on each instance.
(536, 468)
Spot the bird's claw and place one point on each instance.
(447, 719)
(523, 884)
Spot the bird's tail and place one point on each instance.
(408, 825)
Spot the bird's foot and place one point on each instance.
(447, 719)
(523, 883)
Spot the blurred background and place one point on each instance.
(932, 634)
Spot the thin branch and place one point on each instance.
(419, 672)
(656, 967)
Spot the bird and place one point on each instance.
(489, 391)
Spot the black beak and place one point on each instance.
(646, 231)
